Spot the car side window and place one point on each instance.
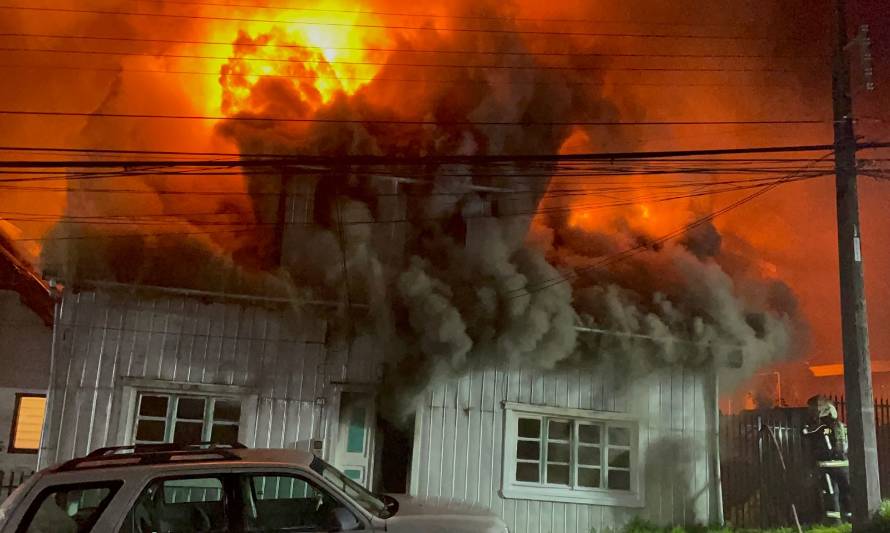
(278, 502)
(193, 504)
(68, 508)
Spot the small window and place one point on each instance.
(179, 504)
(68, 508)
(571, 455)
(186, 419)
(27, 423)
(274, 503)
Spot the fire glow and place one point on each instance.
(316, 59)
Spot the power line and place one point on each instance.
(378, 26)
(423, 81)
(272, 160)
(572, 68)
(461, 52)
(593, 188)
(14, 112)
(254, 226)
(434, 15)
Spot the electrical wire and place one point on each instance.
(370, 49)
(354, 26)
(461, 66)
(424, 81)
(429, 15)
(524, 124)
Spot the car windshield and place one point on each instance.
(359, 494)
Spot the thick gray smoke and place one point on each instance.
(458, 284)
(445, 256)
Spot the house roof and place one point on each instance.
(17, 274)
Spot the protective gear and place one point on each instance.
(828, 447)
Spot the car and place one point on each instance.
(213, 488)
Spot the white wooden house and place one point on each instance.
(547, 451)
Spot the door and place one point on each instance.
(354, 452)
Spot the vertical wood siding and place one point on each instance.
(102, 337)
(458, 449)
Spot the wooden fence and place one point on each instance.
(764, 468)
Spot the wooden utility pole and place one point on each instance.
(865, 490)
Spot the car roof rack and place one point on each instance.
(146, 454)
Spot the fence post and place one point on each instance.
(761, 483)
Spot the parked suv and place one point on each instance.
(166, 489)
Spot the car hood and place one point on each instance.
(441, 516)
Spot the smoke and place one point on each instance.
(447, 257)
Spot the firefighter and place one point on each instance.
(827, 438)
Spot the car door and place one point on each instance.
(188, 502)
(275, 501)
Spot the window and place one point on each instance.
(186, 419)
(179, 504)
(68, 508)
(280, 502)
(27, 423)
(571, 455)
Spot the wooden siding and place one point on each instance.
(104, 338)
(459, 443)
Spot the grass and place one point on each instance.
(880, 524)
(641, 526)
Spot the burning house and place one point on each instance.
(406, 280)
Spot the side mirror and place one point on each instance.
(342, 519)
(392, 504)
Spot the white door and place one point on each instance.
(354, 454)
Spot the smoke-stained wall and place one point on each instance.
(266, 353)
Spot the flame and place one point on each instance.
(325, 55)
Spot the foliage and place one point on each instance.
(642, 526)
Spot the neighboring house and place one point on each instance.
(26, 314)
(547, 451)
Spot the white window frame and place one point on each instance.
(134, 387)
(572, 493)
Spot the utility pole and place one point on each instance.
(865, 489)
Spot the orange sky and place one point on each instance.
(791, 231)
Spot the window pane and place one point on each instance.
(224, 434)
(589, 477)
(558, 474)
(559, 429)
(619, 436)
(559, 453)
(619, 458)
(355, 436)
(150, 430)
(527, 472)
(589, 455)
(185, 504)
(187, 432)
(206, 489)
(281, 488)
(28, 422)
(288, 503)
(153, 405)
(530, 428)
(619, 479)
(589, 434)
(228, 410)
(528, 449)
(68, 509)
(191, 408)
